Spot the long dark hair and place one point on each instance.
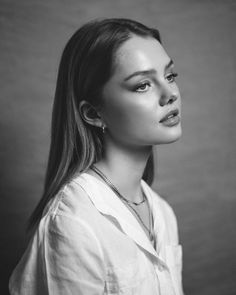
(86, 65)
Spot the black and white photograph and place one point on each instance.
(117, 150)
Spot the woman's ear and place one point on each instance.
(89, 114)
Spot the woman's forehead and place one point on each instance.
(139, 53)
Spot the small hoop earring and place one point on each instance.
(103, 129)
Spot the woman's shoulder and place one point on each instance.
(63, 238)
(164, 211)
(70, 215)
(159, 200)
(72, 200)
(165, 206)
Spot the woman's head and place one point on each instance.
(139, 94)
(88, 62)
(94, 60)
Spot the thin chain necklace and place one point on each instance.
(103, 176)
(128, 203)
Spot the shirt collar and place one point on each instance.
(107, 202)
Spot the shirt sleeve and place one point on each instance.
(63, 258)
(73, 262)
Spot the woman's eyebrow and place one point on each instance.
(170, 63)
(148, 72)
(141, 73)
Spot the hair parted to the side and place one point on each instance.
(86, 65)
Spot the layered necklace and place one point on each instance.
(129, 204)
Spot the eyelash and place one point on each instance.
(172, 76)
(141, 85)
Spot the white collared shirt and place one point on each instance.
(88, 242)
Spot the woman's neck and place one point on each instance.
(124, 167)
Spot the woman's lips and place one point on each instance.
(171, 118)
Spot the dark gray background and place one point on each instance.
(196, 175)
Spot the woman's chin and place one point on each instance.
(169, 137)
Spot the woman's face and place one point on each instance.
(140, 94)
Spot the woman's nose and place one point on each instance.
(168, 98)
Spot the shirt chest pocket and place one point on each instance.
(174, 262)
(125, 279)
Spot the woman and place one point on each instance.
(99, 227)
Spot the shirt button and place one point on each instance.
(111, 288)
(159, 267)
(114, 289)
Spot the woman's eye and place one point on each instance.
(143, 87)
(171, 77)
